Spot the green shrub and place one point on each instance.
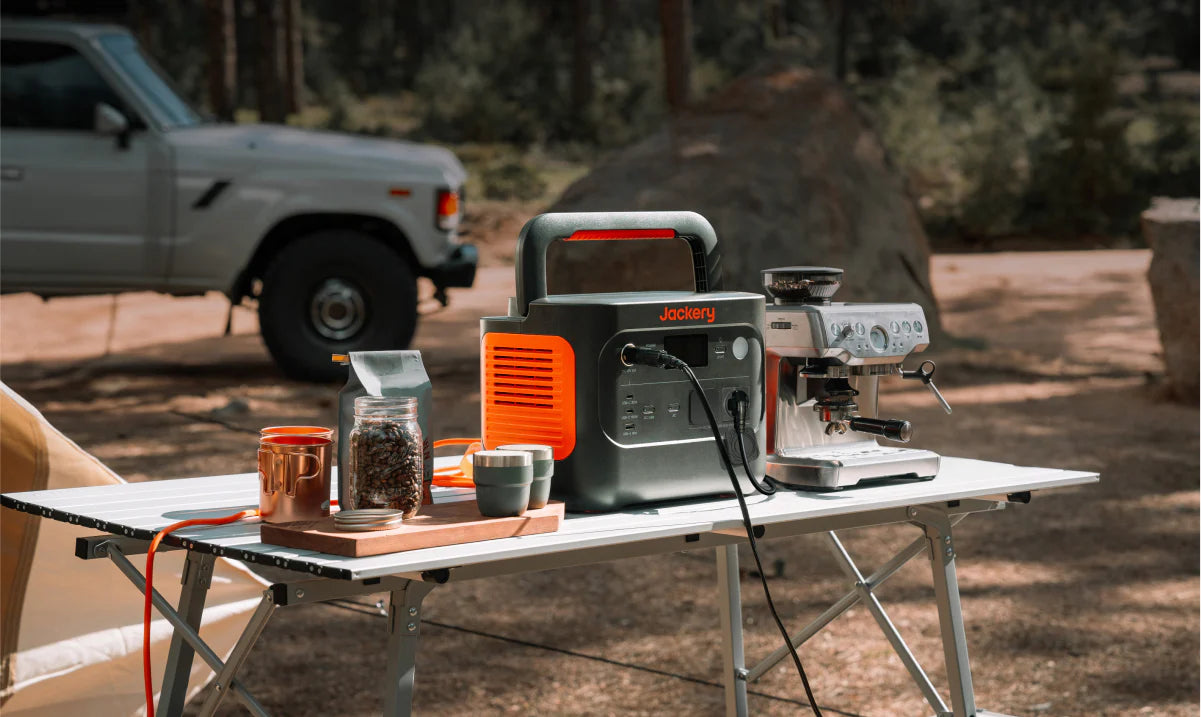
(512, 178)
(1001, 136)
(481, 87)
(1083, 182)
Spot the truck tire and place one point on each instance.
(332, 292)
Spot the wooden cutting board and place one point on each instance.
(435, 525)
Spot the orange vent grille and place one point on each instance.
(529, 391)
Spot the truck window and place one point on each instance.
(155, 87)
(47, 85)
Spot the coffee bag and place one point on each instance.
(386, 373)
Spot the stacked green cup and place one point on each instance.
(544, 470)
(502, 482)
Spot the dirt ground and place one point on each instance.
(1084, 602)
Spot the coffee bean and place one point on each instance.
(386, 465)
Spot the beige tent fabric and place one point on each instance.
(72, 629)
(22, 460)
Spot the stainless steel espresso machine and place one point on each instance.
(824, 364)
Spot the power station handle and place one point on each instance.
(895, 429)
(539, 232)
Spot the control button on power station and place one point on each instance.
(740, 348)
(917, 326)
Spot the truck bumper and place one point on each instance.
(458, 271)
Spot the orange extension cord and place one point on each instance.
(150, 590)
(451, 477)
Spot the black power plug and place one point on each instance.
(632, 355)
(737, 404)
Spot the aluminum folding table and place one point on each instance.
(130, 514)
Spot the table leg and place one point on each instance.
(197, 577)
(937, 527)
(225, 676)
(191, 635)
(404, 627)
(729, 596)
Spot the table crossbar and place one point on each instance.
(183, 629)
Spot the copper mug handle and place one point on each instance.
(268, 478)
(295, 483)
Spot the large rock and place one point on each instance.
(1171, 229)
(788, 171)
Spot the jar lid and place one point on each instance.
(385, 405)
(368, 519)
(373, 516)
(501, 459)
(537, 450)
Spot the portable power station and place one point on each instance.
(552, 373)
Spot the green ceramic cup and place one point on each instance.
(544, 470)
(502, 482)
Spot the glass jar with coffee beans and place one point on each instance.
(385, 455)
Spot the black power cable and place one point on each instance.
(378, 611)
(631, 355)
(737, 406)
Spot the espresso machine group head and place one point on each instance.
(824, 362)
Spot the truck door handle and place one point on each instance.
(12, 174)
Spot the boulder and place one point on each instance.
(1171, 229)
(787, 170)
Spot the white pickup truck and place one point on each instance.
(111, 182)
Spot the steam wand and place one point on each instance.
(926, 376)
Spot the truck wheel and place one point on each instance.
(332, 292)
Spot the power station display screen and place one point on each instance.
(692, 348)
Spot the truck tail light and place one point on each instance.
(447, 210)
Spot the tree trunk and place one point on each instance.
(1170, 228)
(581, 58)
(141, 22)
(675, 20)
(269, 68)
(222, 57)
(777, 26)
(409, 21)
(293, 56)
(608, 16)
(380, 52)
(844, 38)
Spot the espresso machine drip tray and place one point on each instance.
(830, 467)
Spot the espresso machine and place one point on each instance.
(824, 362)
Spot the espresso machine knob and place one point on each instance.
(894, 429)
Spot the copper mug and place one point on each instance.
(294, 477)
(319, 431)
